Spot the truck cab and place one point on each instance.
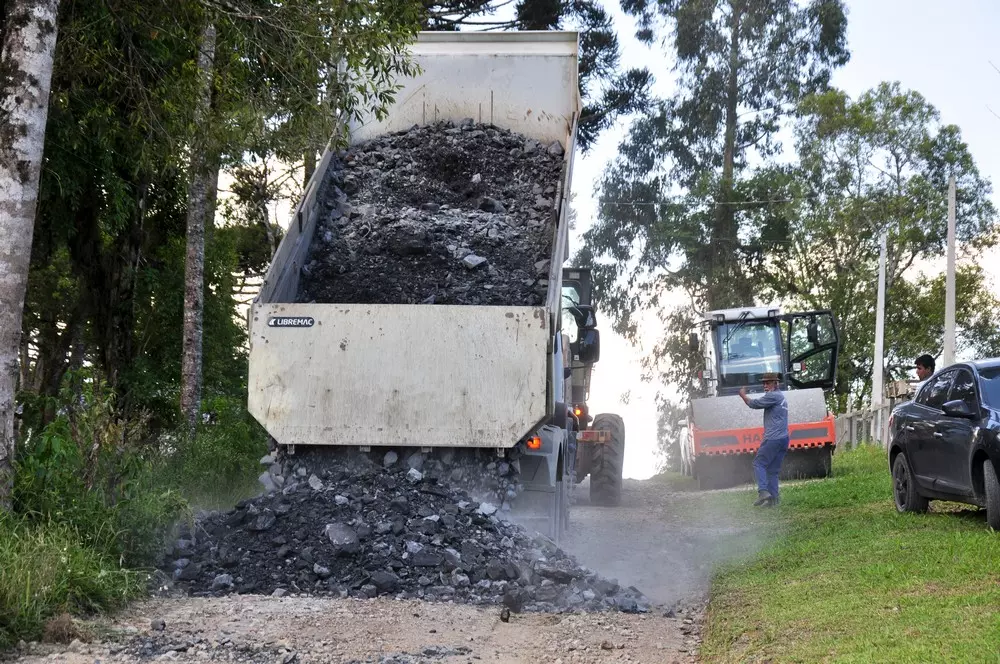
(739, 346)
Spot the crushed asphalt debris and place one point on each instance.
(364, 529)
(439, 214)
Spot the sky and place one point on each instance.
(941, 49)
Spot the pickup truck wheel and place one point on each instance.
(904, 487)
(992, 495)
(606, 462)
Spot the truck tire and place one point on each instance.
(606, 462)
(992, 489)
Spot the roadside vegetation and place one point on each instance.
(675, 480)
(96, 498)
(843, 577)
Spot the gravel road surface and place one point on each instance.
(659, 540)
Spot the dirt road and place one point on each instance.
(662, 541)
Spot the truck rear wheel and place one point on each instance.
(607, 460)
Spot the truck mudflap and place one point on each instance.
(543, 503)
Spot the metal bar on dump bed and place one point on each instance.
(530, 80)
(277, 285)
(560, 240)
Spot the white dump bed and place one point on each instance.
(423, 375)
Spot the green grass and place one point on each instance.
(46, 570)
(842, 577)
(675, 480)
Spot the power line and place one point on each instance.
(680, 199)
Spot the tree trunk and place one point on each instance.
(725, 288)
(309, 167)
(57, 363)
(26, 56)
(199, 202)
(108, 277)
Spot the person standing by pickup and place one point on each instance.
(771, 453)
(925, 369)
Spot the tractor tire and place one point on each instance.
(607, 460)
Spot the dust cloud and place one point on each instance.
(666, 543)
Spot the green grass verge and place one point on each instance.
(676, 481)
(842, 577)
(45, 570)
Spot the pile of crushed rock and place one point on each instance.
(364, 529)
(440, 214)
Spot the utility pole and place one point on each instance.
(949, 298)
(878, 367)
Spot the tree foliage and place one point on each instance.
(680, 205)
(880, 164)
(692, 202)
(703, 200)
(107, 263)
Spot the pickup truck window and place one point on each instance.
(989, 379)
(938, 392)
(964, 388)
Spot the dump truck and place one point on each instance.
(495, 381)
(598, 446)
(721, 435)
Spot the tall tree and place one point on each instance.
(202, 187)
(283, 63)
(681, 191)
(881, 163)
(27, 52)
(118, 164)
(685, 206)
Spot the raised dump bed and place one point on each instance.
(416, 298)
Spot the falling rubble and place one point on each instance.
(438, 214)
(397, 528)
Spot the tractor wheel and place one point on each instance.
(606, 462)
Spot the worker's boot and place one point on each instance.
(763, 498)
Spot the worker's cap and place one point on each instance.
(769, 377)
